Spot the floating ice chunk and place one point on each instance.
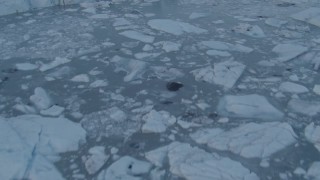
(287, 52)
(99, 83)
(311, 15)
(126, 168)
(137, 36)
(275, 22)
(292, 88)
(299, 171)
(168, 46)
(147, 47)
(218, 53)
(145, 55)
(26, 66)
(100, 16)
(225, 73)
(218, 45)
(193, 163)
(250, 140)
(312, 134)
(316, 89)
(53, 111)
(309, 108)
(250, 30)
(27, 142)
(134, 68)
(96, 159)
(174, 27)
(248, 106)
(157, 122)
(41, 99)
(313, 171)
(197, 15)
(81, 78)
(57, 62)
(121, 22)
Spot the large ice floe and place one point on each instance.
(250, 140)
(287, 52)
(174, 27)
(224, 73)
(311, 15)
(193, 163)
(248, 106)
(30, 144)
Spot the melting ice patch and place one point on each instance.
(174, 27)
(193, 163)
(248, 106)
(249, 140)
(224, 73)
(27, 143)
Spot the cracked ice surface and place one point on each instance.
(193, 163)
(29, 143)
(224, 73)
(250, 140)
(248, 106)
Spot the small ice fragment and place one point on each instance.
(292, 88)
(41, 99)
(26, 66)
(96, 159)
(81, 78)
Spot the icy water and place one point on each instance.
(157, 90)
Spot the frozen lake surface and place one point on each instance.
(161, 90)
